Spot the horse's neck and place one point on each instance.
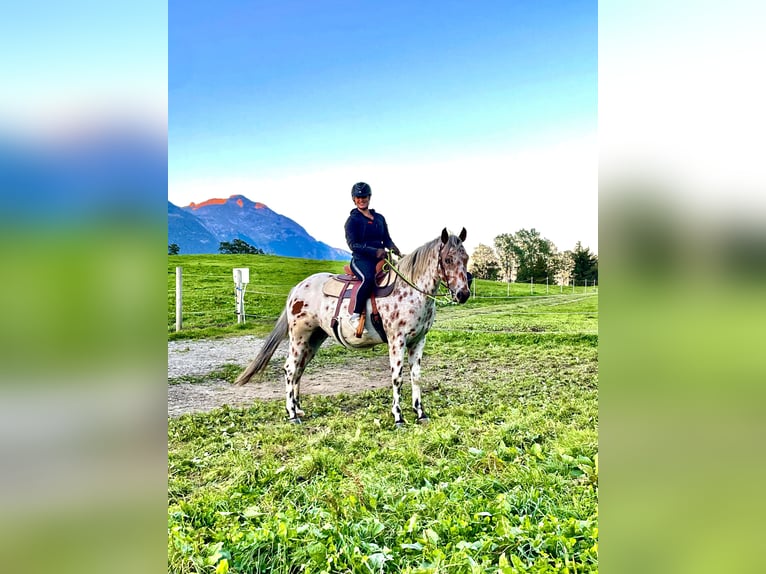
(429, 281)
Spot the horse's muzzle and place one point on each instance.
(462, 295)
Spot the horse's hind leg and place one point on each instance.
(415, 355)
(303, 347)
(396, 357)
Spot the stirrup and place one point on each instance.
(360, 325)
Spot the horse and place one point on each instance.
(406, 314)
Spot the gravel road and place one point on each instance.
(201, 357)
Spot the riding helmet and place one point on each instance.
(361, 189)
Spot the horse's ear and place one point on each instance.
(463, 234)
(445, 235)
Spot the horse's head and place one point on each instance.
(453, 262)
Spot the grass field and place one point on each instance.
(503, 479)
(208, 296)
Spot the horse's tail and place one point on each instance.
(262, 359)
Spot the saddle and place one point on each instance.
(346, 286)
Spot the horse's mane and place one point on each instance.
(414, 265)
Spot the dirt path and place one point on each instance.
(199, 358)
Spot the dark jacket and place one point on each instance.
(365, 236)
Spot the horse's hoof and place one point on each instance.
(423, 420)
(295, 421)
(400, 424)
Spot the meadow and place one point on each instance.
(503, 479)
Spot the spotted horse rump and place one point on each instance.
(406, 305)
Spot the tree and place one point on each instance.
(173, 249)
(505, 254)
(238, 246)
(484, 263)
(563, 266)
(533, 254)
(585, 264)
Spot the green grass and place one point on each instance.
(505, 473)
(208, 298)
(208, 291)
(503, 479)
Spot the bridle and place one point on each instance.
(443, 273)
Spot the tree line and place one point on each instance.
(526, 256)
(521, 257)
(226, 247)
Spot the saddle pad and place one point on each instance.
(333, 288)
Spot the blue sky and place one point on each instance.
(450, 110)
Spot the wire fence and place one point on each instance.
(210, 301)
(537, 288)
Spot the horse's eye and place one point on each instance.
(448, 261)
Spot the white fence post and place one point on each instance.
(241, 279)
(238, 299)
(179, 300)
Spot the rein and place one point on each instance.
(410, 283)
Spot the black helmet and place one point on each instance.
(361, 189)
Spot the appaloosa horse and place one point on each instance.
(406, 314)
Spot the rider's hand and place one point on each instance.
(396, 252)
(380, 253)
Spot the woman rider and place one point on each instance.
(367, 237)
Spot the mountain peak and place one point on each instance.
(213, 201)
(237, 199)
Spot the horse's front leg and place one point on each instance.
(396, 357)
(415, 355)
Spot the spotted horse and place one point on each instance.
(406, 315)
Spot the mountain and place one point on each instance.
(185, 230)
(237, 217)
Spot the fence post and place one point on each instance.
(532, 286)
(239, 299)
(179, 300)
